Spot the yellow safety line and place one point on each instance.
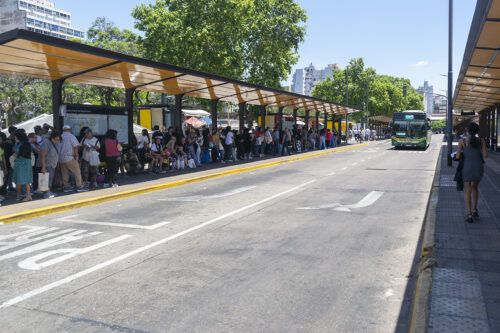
(57, 208)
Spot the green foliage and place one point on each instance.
(438, 125)
(373, 93)
(256, 40)
(23, 97)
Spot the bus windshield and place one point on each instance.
(411, 129)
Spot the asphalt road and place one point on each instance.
(321, 245)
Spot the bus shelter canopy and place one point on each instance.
(381, 119)
(28, 53)
(478, 85)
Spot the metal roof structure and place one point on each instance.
(478, 85)
(28, 53)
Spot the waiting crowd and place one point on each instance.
(46, 161)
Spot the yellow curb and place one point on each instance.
(57, 208)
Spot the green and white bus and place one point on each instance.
(411, 129)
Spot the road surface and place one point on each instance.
(320, 245)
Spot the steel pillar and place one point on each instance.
(295, 117)
(57, 101)
(241, 116)
(326, 121)
(177, 115)
(129, 106)
(280, 117)
(306, 120)
(213, 113)
(262, 109)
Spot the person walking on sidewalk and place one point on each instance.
(473, 151)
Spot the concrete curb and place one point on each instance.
(420, 311)
(65, 206)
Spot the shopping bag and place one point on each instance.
(94, 158)
(43, 182)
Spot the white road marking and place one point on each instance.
(331, 174)
(344, 168)
(124, 256)
(388, 293)
(368, 200)
(113, 224)
(32, 263)
(197, 198)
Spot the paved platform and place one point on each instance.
(465, 294)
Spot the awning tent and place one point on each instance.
(478, 85)
(29, 53)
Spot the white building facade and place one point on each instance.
(37, 15)
(428, 92)
(304, 80)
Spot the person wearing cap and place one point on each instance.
(68, 158)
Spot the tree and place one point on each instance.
(379, 94)
(243, 39)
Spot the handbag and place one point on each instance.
(43, 182)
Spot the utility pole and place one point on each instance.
(450, 84)
(346, 103)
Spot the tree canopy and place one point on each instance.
(255, 40)
(379, 94)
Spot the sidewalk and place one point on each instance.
(465, 294)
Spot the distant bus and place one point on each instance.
(411, 129)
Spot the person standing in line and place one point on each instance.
(228, 144)
(473, 151)
(143, 146)
(367, 134)
(23, 172)
(89, 145)
(322, 139)
(68, 158)
(285, 141)
(49, 157)
(113, 149)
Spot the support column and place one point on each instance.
(280, 117)
(262, 109)
(57, 101)
(241, 115)
(326, 121)
(249, 117)
(295, 117)
(213, 112)
(492, 130)
(177, 116)
(306, 120)
(129, 105)
(317, 120)
(483, 125)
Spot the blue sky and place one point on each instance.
(397, 37)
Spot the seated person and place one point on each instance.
(157, 154)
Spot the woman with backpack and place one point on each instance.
(473, 151)
(23, 173)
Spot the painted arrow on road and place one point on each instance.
(368, 200)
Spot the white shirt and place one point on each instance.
(367, 132)
(68, 142)
(143, 141)
(229, 138)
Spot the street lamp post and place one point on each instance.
(346, 103)
(450, 83)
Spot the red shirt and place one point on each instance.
(111, 147)
(329, 136)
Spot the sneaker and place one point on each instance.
(82, 189)
(49, 195)
(105, 185)
(469, 218)
(475, 214)
(115, 185)
(94, 185)
(68, 189)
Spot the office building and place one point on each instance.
(37, 15)
(304, 80)
(428, 92)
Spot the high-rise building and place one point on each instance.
(428, 92)
(304, 80)
(37, 15)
